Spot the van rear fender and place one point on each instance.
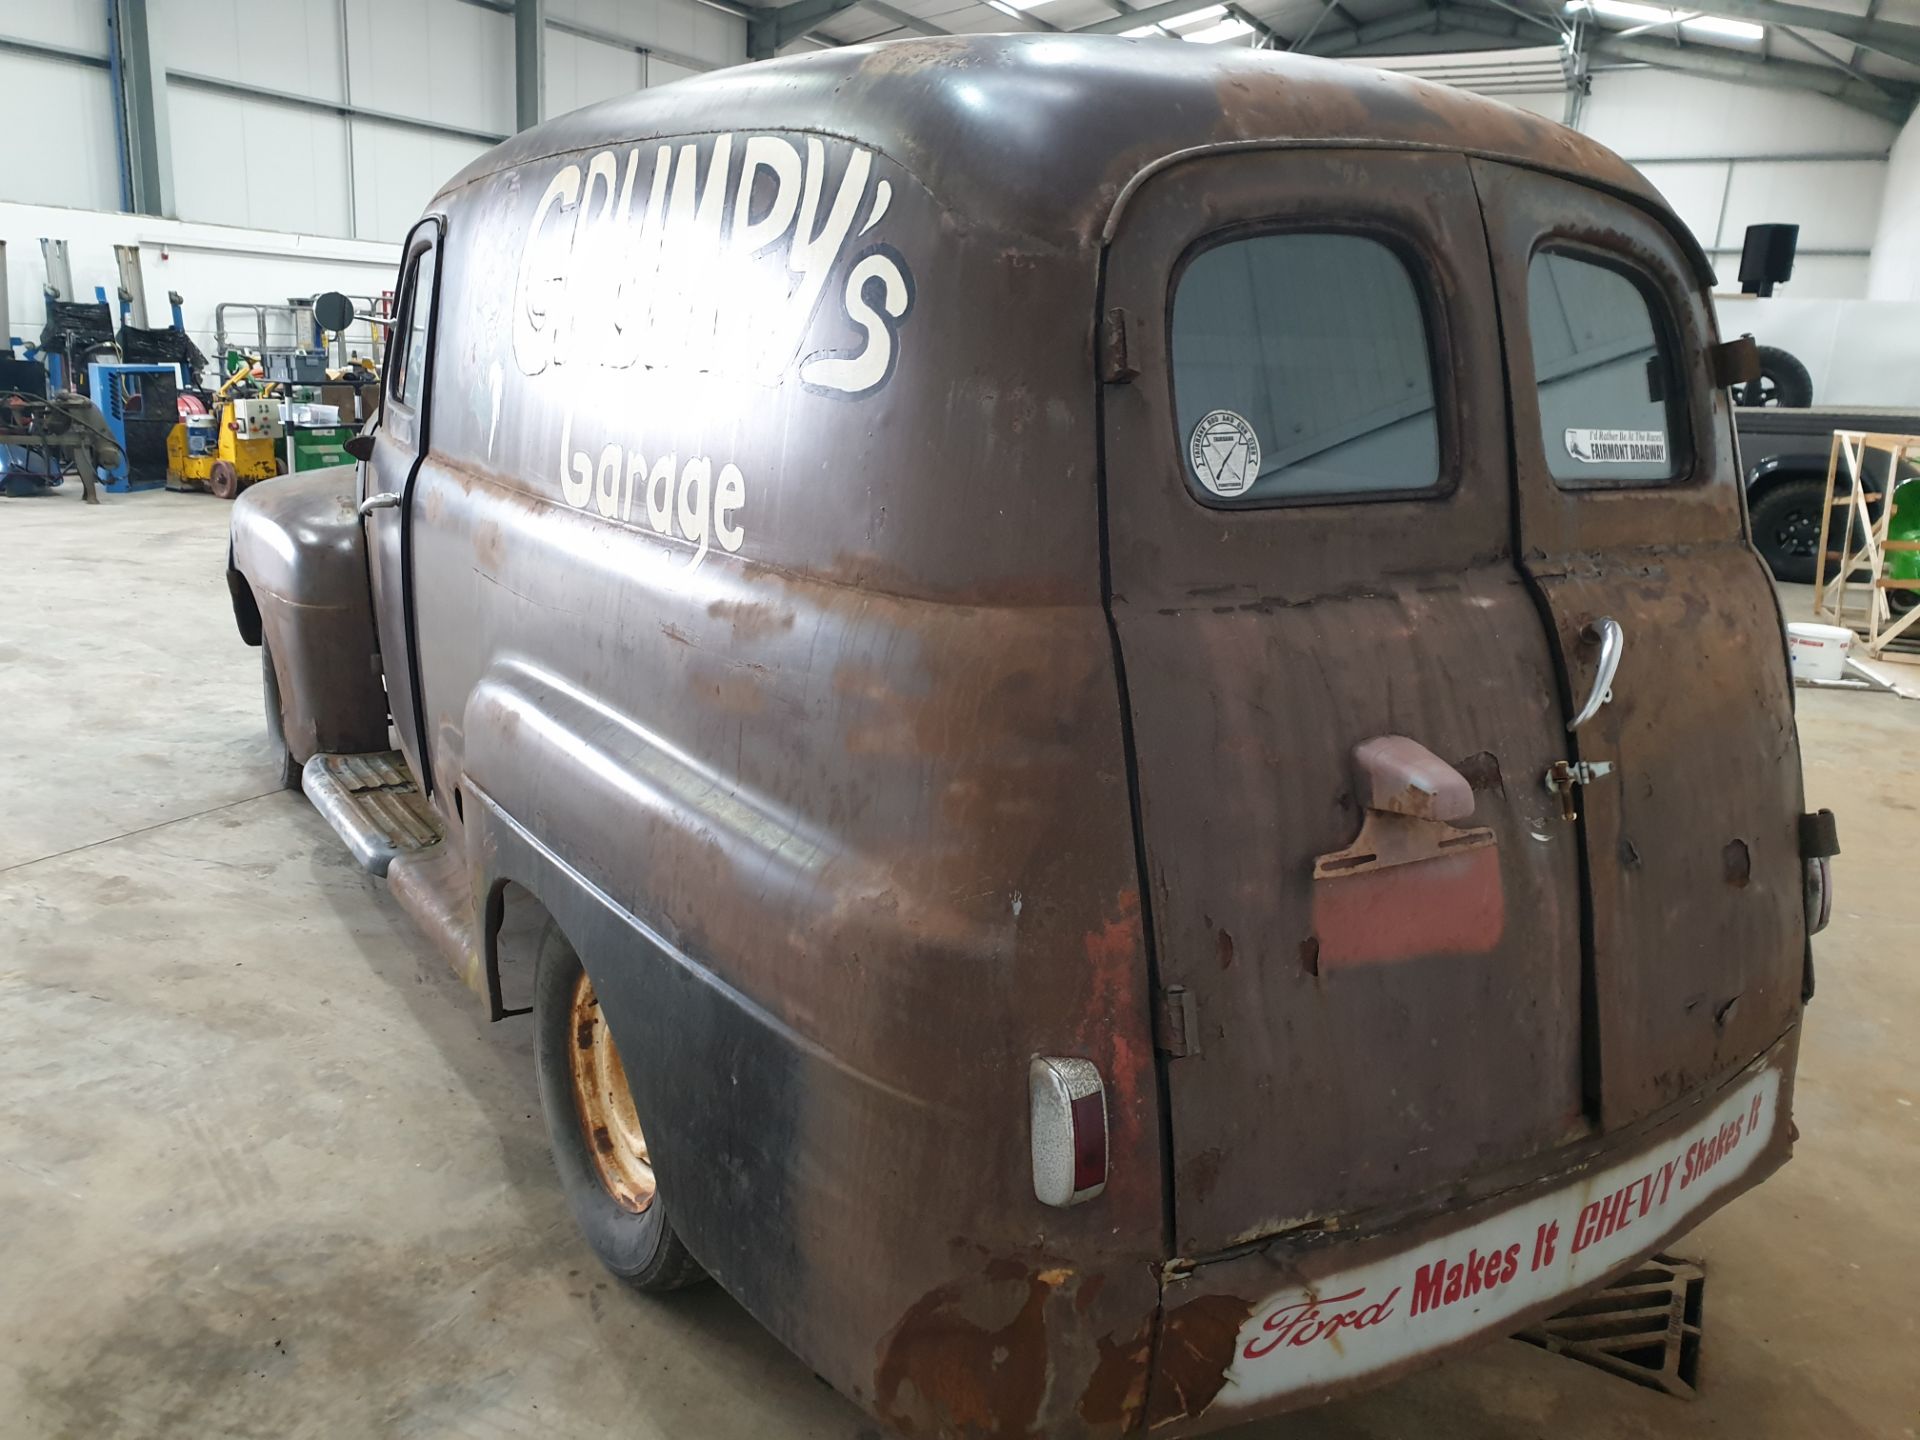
(831, 918)
(297, 571)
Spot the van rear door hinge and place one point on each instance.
(1119, 348)
(1176, 1025)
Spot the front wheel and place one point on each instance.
(1786, 528)
(599, 1149)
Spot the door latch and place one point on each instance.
(1564, 776)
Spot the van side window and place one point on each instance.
(1611, 400)
(413, 344)
(1301, 368)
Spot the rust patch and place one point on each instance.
(1223, 949)
(1196, 1347)
(953, 1366)
(751, 620)
(1117, 1391)
(1737, 864)
(1482, 772)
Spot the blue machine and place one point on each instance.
(120, 392)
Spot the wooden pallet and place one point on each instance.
(1858, 562)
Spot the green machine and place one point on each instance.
(1903, 525)
(314, 447)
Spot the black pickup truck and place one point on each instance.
(1784, 451)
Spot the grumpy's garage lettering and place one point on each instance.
(715, 257)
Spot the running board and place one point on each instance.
(373, 804)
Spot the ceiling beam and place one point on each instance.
(1889, 37)
(1145, 15)
(776, 26)
(1344, 40)
(1712, 61)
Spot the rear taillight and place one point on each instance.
(1819, 892)
(1067, 1102)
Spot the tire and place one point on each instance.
(1783, 381)
(223, 481)
(276, 724)
(630, 1234)
(1786, 528)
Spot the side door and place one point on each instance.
(1630, 511)
(388, 483)
(1371, 960)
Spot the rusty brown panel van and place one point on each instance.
(1131, 683)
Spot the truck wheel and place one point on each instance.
(1786, 528)
(223, 481)
(1783, 381)
(599, 1149)
(276, 723)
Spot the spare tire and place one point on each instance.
(1786, 527)
(1783, 380)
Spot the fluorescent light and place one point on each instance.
(1214, 34)
(1015, 6)
(1195, 17)
(1661, 15)
(1714, 25)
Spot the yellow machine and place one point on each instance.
(226, 451)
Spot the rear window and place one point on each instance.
(1301, 368)
(1602, 366)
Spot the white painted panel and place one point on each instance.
(1896, 249)
(73, 160)
(289, 45)
(397, 172)
(1859, 352)
(580, 72)
(1836, 204)
(433, 59)
(718, 36)
(1818, 277)
(274, 167)
(64, 22)
(665, 72)
(1694, 192)
(685, 27)
(207, 264)
(1644, 114)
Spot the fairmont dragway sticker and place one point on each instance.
(1225, 453)
(1618, 447)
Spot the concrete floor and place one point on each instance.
(265, 1170)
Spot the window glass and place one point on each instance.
(1609, 405)
(413, 368)
(1301, 368)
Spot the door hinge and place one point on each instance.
(1565, 776)
(1734, 362)
(1119, 347)
(1177, 1026)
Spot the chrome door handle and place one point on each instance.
(386, 500)
(1604, 632)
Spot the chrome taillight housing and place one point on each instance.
(1067, 1105)
(1819, 893)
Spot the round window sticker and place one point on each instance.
(1225, 453)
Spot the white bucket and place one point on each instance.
(1818, 652)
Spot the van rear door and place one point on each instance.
(1630, 510)
(1371, 967)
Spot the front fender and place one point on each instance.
(298, 559)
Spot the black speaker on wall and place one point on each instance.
(1766, 260)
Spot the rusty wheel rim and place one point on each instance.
(605, 1106)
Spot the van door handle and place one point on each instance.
(1606, 633)
(386, 500)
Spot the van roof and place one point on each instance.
(1040, 134)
